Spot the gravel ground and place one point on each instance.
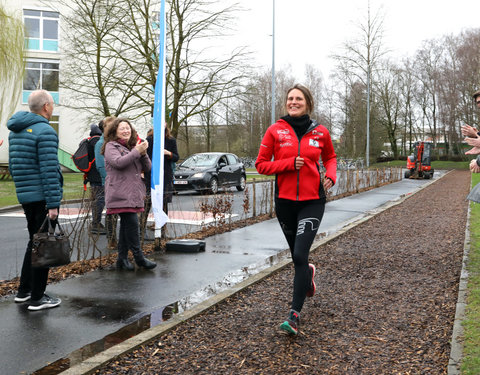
(385, 304)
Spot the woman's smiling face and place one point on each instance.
(124, 131)
(296, 103)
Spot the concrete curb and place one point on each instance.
(91, 364)
(456, 344)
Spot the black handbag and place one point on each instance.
(52, 248)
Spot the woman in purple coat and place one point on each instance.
(125, 160)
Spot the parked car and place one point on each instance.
(208, 171)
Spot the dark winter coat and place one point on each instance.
(170, 145)
(33, 159)
(93, 176)
(124, 187)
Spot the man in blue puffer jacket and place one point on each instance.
(34, 166)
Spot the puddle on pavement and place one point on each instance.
(141, 323)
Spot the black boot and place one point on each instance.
(145, 263)
(124, 264)
(142, 261)
(122, 261)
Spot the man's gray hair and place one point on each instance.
(38, 99)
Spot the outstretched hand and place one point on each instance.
(474, 168)
(473, 151)
(473, 141)
(469, 131)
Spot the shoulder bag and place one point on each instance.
(51, 248)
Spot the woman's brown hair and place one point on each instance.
(168, 134)
(111, 134)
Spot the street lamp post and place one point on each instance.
(368, 118)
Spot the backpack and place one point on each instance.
(80, 157)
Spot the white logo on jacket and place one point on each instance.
(284, 137)
(314, 143)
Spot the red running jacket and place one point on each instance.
(281, 142)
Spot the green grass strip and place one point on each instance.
(72, 189)
(471, 324)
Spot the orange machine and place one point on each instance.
(418, 164)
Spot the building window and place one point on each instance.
(41, 75)
(41, 30)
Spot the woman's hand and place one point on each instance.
(142, 147)
(299, 162)
(167, 153)
(327, 184)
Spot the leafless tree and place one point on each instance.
(427, 69)
(112, 49)
(361, 56)
(407, 88)
(389, 101)
(91, 65)
(11, 62)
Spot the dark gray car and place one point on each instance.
(208, 171)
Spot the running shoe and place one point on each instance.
(43, 303)
(292, 324)
(22, 297)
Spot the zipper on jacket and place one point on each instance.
(298, 170)
(310, 128)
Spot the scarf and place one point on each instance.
(299, 124)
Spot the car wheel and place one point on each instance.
(407, 173)
(213, 185)
(243, 183)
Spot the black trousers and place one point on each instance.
(33, 280)
(97, 194)
(300, 221)
(129, 236)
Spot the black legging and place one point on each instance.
(300, 221)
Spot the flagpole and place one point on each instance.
(159, 133)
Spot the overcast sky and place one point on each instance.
(309, 31)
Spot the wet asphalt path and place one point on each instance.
(14, 234)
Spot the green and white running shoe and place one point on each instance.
(292, 323)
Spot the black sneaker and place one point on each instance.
(45, 302)
(22, 297)
(292, 324)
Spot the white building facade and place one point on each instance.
(43, 70)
